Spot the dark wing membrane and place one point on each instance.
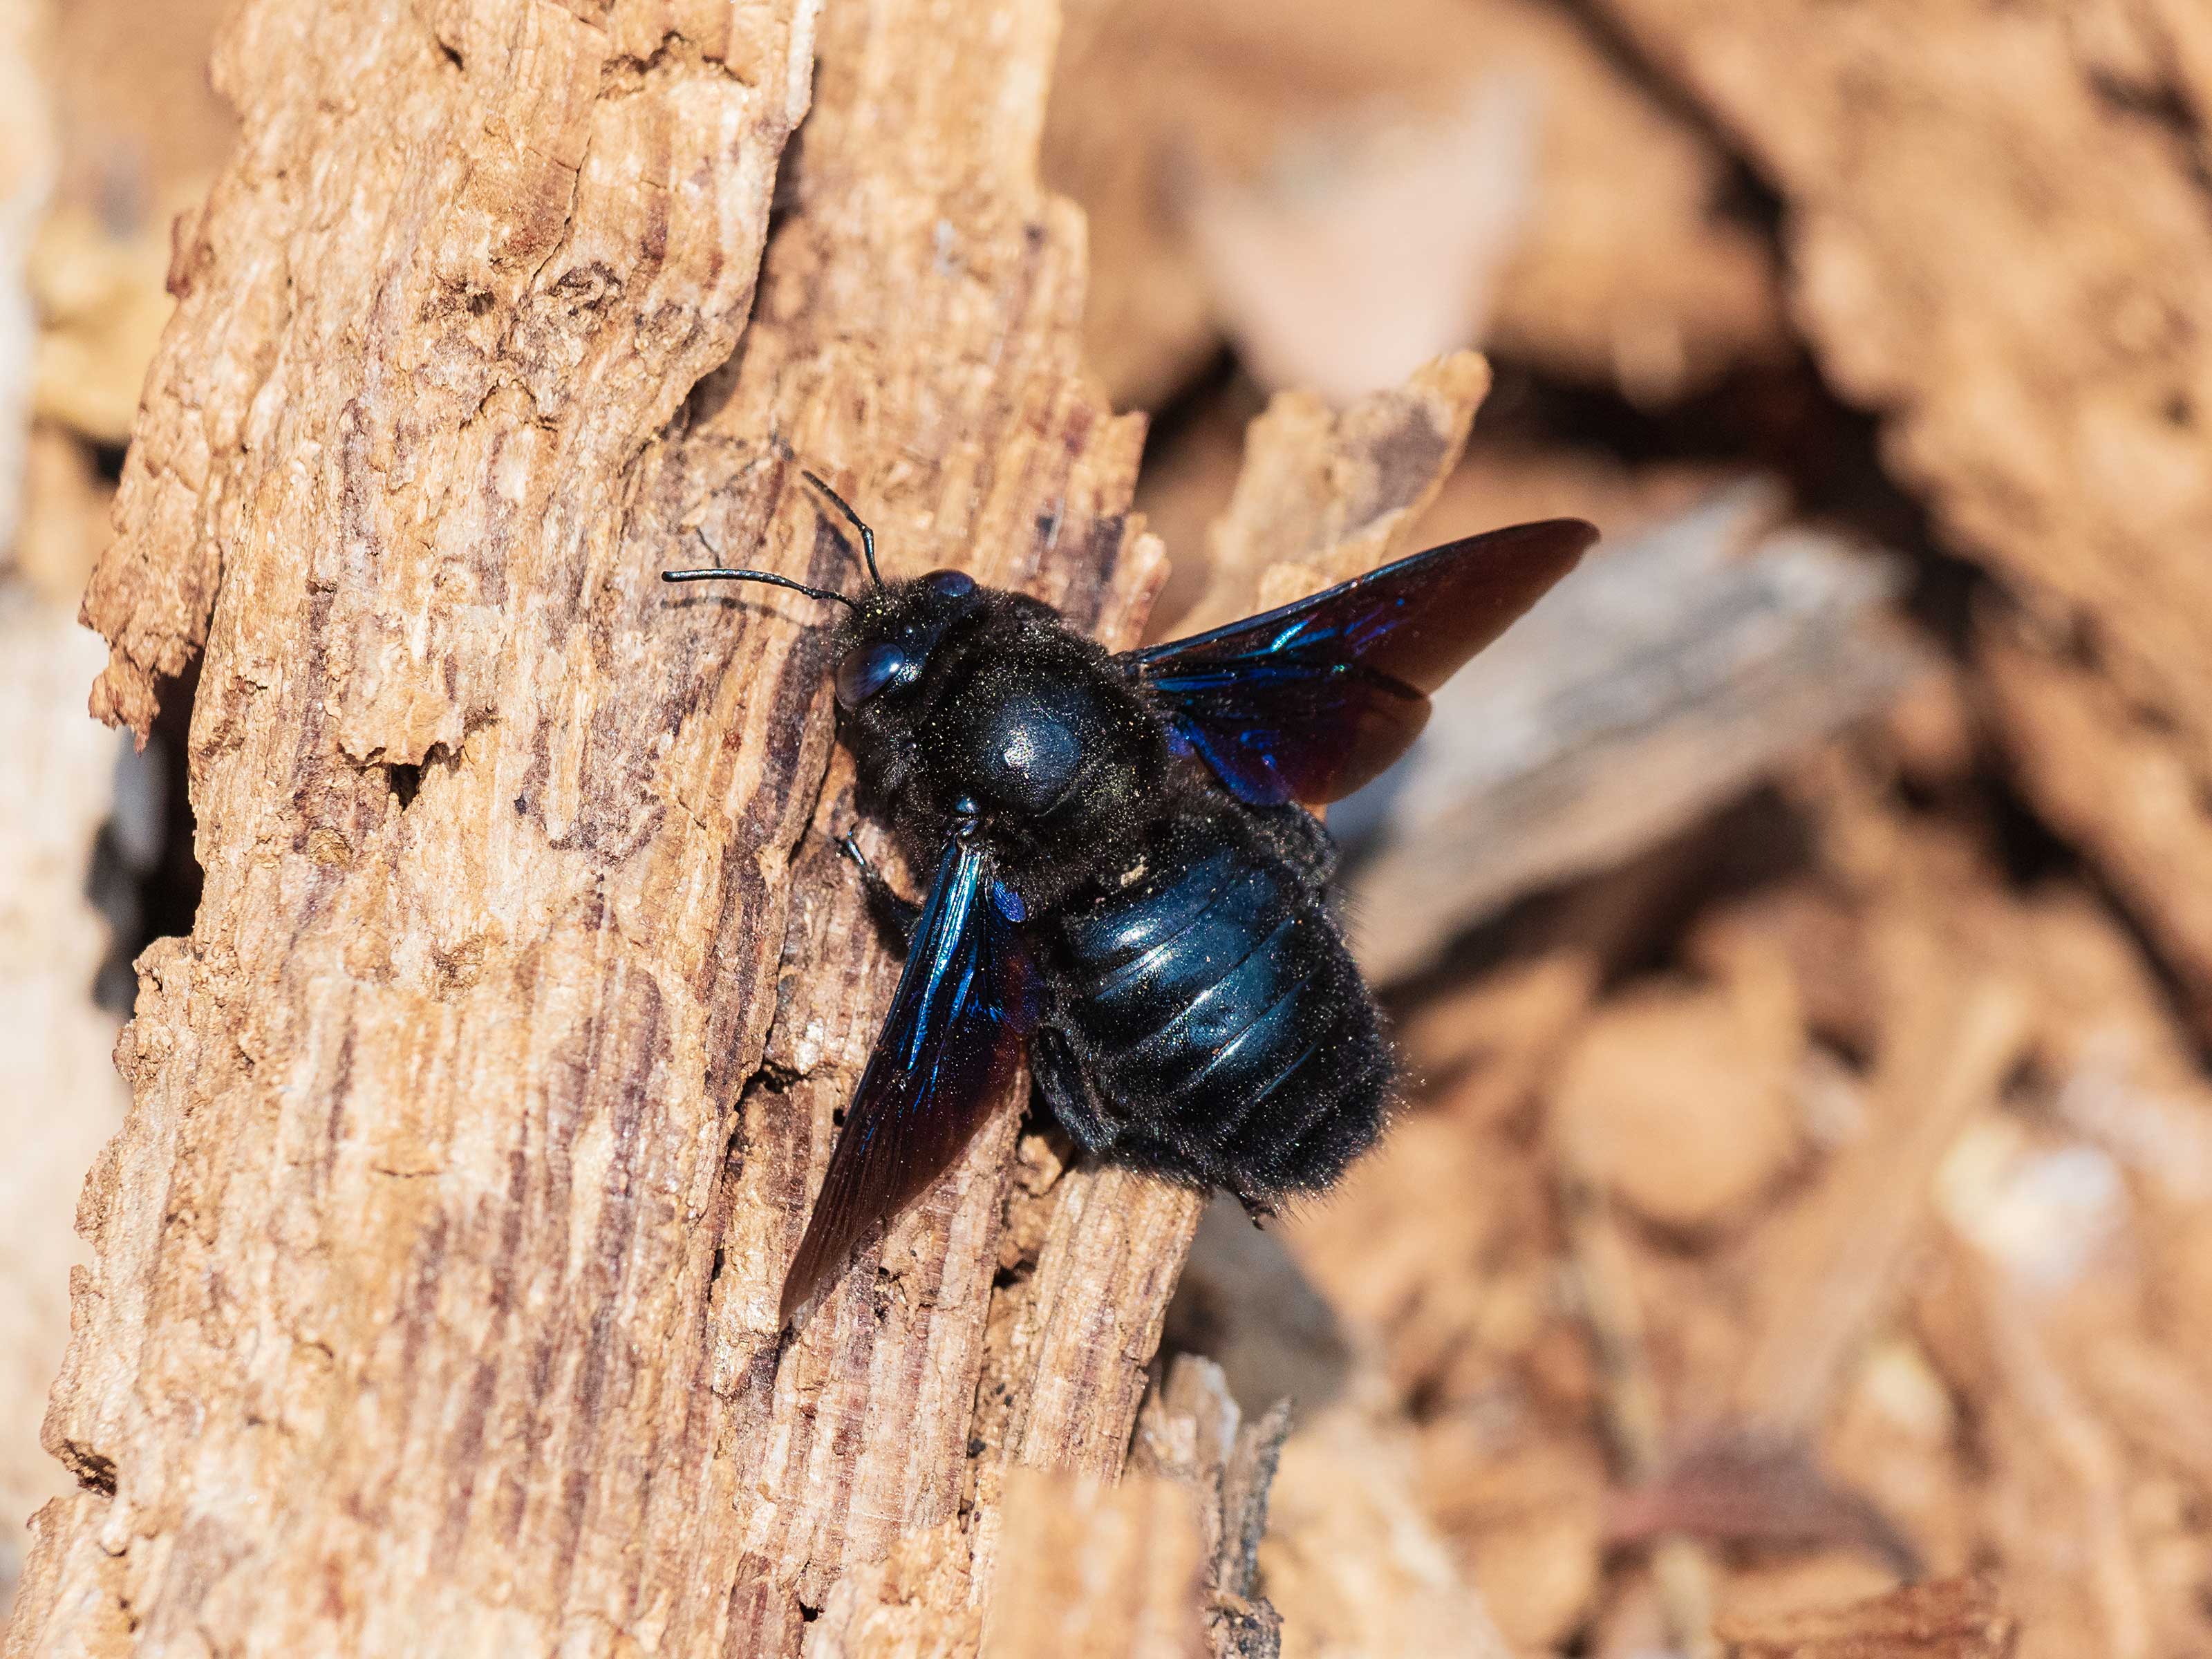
(953, 1036)
(1311, 701)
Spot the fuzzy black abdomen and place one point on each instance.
(1221, 1032)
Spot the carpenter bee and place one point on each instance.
(1126, 882)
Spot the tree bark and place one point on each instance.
(434, 1299)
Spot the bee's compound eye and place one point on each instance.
(949, 584)
(869, 669)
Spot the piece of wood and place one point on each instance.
(447, 1228)
(1192, 1431)
(1837, 1263)
(434, 1300)
(1997, 228)
(1326, 494)
(1949, 1619)
(1351, 1560)
(1093, 1254)
(2113, 785)
(1664, 675)
(1101, 1570)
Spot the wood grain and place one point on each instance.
(436, 1268)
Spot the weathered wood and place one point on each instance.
(1091, 1257)
(1105, 1572)
(1949, 1619)
(1351, 1560)
(436, 1268)
(1192, 1431)
(1326, 494)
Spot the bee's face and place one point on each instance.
(891, 638)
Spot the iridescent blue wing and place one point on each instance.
(967, 1000)
(1309, 702)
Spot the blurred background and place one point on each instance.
(1800, 928)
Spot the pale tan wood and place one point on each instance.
(1104, 1572)
(1670, 672)
(435, 1300)
(1093, 1253)
(1840, 1260)
(1334, 493)
(1946, 1619)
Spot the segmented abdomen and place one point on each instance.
(1221, 1021)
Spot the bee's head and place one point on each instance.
(888, 639)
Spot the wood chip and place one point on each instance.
(1680, 1103)
(1350, 1560)
(1950, 1619)
(1835, 1265)
(1192, 1431)
(1324, 495)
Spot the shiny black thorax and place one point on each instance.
(1204, 1020)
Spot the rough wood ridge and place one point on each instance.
(434, 1299)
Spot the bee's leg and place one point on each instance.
(1060, 1079)
(900, 915)
(1260, 1211)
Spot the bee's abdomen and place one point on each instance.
(1221, 1025)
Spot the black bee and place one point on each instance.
(1125, 879)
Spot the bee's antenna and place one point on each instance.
(718, 574)
(724, 574)
(867, 536)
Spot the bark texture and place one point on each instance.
(1192, 1431)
